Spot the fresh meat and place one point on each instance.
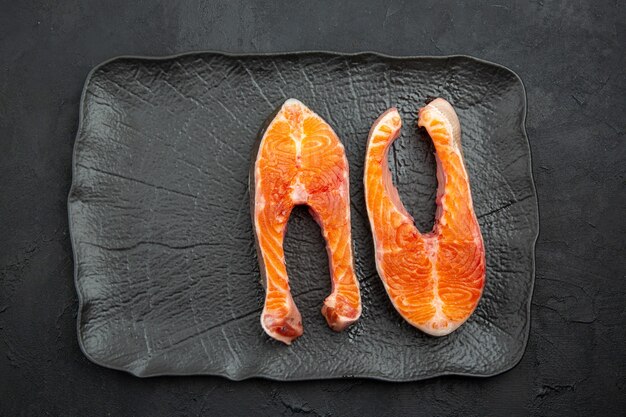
(300, 160)
(434, 280)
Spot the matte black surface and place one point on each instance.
(166, 269)
(570, 56)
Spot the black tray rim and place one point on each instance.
(377, 377)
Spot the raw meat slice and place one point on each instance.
(300, 160)
(434, 280)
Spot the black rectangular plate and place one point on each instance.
(166, 269)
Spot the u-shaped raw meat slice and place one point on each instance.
(300, 160)
(434, 280)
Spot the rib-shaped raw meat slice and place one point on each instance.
(434, 280)
(300, 160)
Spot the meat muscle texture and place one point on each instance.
(436, 279)
(300, 160)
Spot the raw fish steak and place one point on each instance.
(300, 160)
(436, 279)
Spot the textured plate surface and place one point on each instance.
(166, 269)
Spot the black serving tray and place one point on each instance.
(166, 269)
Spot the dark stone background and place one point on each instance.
(572, 60)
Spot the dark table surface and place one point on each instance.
(572, 60)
